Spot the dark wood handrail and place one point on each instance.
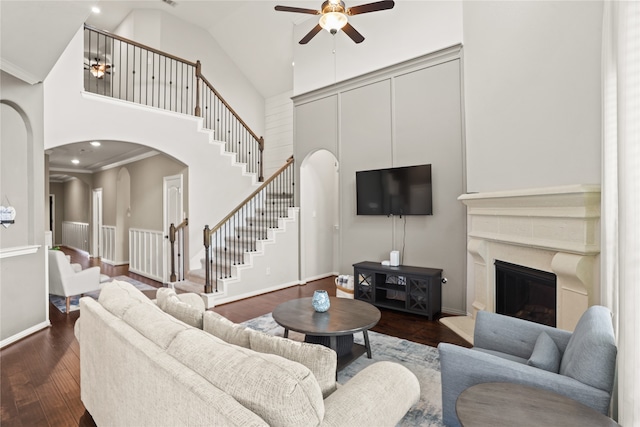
(199, 80)
(248, 198)
(140, 45)
(210, 86)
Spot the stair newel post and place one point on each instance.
(207, 256)
(292, 174)
(198, 111)
(172, 242)
(260, 159)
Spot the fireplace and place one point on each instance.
(554, 230)
(525, 293)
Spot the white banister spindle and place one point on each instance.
(145, 253)
(75, 235)
(108, 244)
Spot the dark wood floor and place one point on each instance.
(40, 374)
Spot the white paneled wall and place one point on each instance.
(145, 253)
(278, 138)
(75, 235)
(108, 244)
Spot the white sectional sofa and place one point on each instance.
(140, 365)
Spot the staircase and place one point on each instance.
(244, 242)
(239, 241)
(236, 242)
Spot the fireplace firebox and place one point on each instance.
(525, 293)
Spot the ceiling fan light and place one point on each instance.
(98, 70)
(333, 21)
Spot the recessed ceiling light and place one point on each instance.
(95, 9)
(75, 161)
(95, 143)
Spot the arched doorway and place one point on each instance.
(319, 215)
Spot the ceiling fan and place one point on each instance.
(335, 17)
(98, 69)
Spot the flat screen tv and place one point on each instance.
(395, 191)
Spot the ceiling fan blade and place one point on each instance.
(311, 34)
(351, 32)
(371, 7)
(297, 10)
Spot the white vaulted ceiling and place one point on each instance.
(256, 37)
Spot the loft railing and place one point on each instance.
(226, 243)
(127, 70)
(229, 127)
(176, 243)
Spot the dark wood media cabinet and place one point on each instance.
(411, 289)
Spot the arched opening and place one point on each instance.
(319, 215)
(17, 186)
(125, 218)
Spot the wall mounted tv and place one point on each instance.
(395, 191)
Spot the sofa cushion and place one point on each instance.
(170, 303)
(321, 360)
(545, 354)
(502, 355)
(282, 392)
(126, 302)
(154, 324)
(225, 329)
(590, 355)
(118, 297)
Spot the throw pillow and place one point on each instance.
(321, 360)
(183, 311)
(171, 304)
(223, 328)
(545, 354)
(162, 295)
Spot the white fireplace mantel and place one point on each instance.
(554, 229)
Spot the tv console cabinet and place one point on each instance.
(405, 288)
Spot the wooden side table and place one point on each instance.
(508, 404)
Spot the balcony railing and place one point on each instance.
(127, 70)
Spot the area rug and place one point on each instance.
(60, 304)
(420, 359)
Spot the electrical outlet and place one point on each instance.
(268, 271)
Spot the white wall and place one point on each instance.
(23, 278)
(278, 136)
(409, 30)
(163, 31)
(532, 93)
(72, 116)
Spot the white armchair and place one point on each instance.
(66, 282)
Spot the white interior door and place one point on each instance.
(173, 214)
(96, 231)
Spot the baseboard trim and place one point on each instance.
(25, 333)
(232, 298)
(114, 263)
(317, 277)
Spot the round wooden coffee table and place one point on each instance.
(344, 317)
(507, 404)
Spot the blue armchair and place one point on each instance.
(579, 365)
